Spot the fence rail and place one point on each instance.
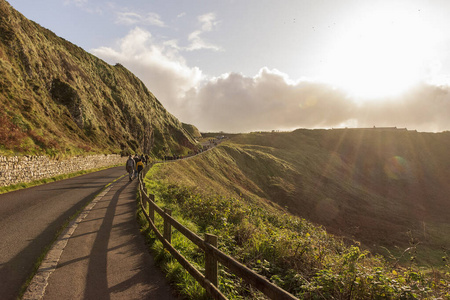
(213, 256)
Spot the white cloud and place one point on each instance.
(159, 66)
(270, 99)
(132, 18)
(197, 43)
(424, 107)
(208, 23)
(266, 101)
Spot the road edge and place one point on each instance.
(39, 282)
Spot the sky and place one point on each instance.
(261, 65)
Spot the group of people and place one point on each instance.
(135, 165)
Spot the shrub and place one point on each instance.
(11, 135)
(293, 253)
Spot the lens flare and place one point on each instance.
(397, 168)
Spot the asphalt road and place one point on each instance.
(30, 219)
(106, 257)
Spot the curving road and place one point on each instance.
(30, 219)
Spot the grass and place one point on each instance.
(292, 252)
(184, 284)
(256, 190)
(57, 99)
(354, 184)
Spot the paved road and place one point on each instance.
(106, 257)
(30, 218)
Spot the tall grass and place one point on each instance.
(291, 252)
(346, 182)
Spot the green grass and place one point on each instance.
(182, 281)
(369, 186)
(290, 251)
(57, 99)
(256, 191)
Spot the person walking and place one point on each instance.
(139, 166)
(130, 167)
(136, 159)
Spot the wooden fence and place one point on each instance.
(213, 256)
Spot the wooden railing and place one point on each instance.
(213, 256)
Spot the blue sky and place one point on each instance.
(261, 65)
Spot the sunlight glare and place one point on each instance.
(382, 55)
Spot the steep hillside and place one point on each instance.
(382, 188)
(192, 130)
(57, 98)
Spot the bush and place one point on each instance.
(293, 253)
(11, 135)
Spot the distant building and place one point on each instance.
(373, 128)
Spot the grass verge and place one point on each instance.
(298, 256)
(182, 282)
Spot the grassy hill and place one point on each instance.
(55, 98)
(385, 189)
(269, 196)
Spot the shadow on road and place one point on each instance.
(17, 269)
(97, 281)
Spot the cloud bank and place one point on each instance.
(268, 100)
(159, 66)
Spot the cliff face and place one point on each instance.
(57, 98)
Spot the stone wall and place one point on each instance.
(19, 169)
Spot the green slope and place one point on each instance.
(381, 188)
(262, 193)
(57, 98)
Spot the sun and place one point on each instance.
(382, 55)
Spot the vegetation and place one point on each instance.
(256, 190)
(292, 252)
(380, 188)
(383, 191)
(192, 130)
(57, 99)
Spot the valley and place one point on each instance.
(385, 189)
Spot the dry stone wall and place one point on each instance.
(19, 169)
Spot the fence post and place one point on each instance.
(167, 226)
(144, 199)
(211, 266)
(151, 209)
